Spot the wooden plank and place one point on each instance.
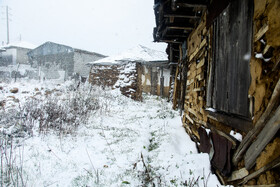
(199, 70)
(192, 111)
(266, 135)
(184, 119)
(266, 49)
(191, 5)
(189, 118)
(200, 98)
(204, 31)
(274, 164)
(188, 74)
(199, 89)
(261, 32)
(180, 28)
(189, 82)
(250, 136)
(221, 133)
(200, 77)
(265, 185)
(234, 122)
(170, 41)
(181, 16)
(201, 63)
(171, 19)
(200, 122)
(202, 44)
(276, 64)
(239, 174)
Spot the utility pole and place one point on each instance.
(7, 16)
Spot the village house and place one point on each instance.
(13, 56)
(134, 71)
(224, 58)
(56, 61)
(15, 53)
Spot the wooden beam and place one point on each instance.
(274, 164)
(234, 122)
(199, 89)
(201, 63)
(239, 174)
(221, 133)
(189, 5)
(181, 16)
(200, 77)
(170, 41)
(180, 28)
(276, 64)
(189, 118)
(261, 32)
(192, 112)
(189, 82)
(264, 185)
(266, 49)
(266, 135)
(202, 44)
(247, 140)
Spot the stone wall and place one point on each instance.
(126, 77)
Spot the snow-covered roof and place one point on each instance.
(137, 54)
(21, 44)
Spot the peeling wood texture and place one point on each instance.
(261, 32)
(265, 185)
(274, 164)
(247, 140)
(232, 72)
(262, 140)
(234, 122)
(239, 174)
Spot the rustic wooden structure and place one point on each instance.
(134, 71)
(224, 58)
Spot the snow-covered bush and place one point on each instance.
(64, 114)
(11, 164)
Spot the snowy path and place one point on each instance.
(107, 150)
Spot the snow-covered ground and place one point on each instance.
(120, 142)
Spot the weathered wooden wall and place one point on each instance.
(233, 71)
(155, 80)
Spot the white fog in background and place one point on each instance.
(106, 26)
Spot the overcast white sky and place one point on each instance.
(104, 26)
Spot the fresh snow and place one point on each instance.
(236, 135)
(114, 147)
(21, 44)
(137, 54)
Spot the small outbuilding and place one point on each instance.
(15, 53)
(134, 71)
(56, 61)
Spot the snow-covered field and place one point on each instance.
(104, 139)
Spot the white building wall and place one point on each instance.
(80, 63)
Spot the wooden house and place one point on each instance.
(224, 58)
(56, 61)
(134, 71)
